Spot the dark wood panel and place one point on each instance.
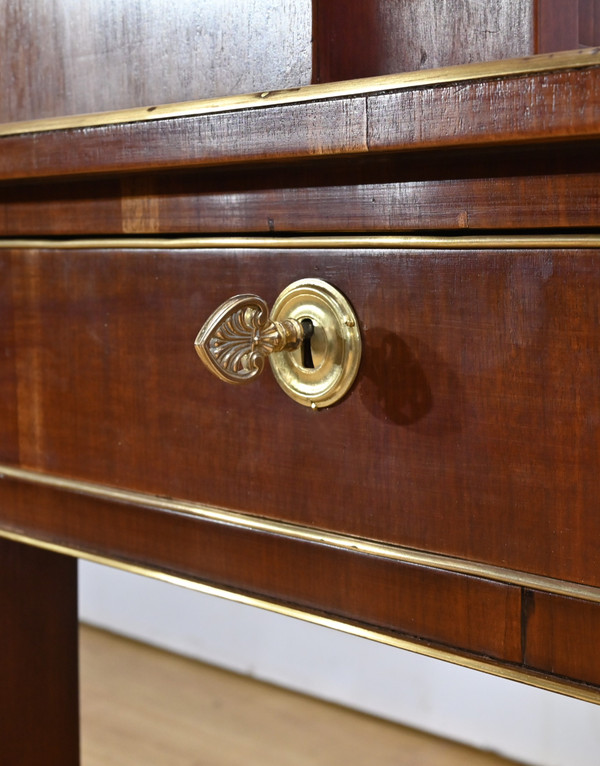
(474, 615)
(535, 108)
(566, 24)
(360, 38)
(109, 55)
(540, 188)
(589, 22)
(9, 431)
(557, 25)
(552, 618)
(62, 208)
(39, 716)
(476, 401)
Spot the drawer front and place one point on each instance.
(9, 438)
(472, 429)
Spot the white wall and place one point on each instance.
(520, 722)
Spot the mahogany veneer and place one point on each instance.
(535, 188)
(476, 401)
(549, 619)
(396, 598)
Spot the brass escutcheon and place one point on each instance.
(311, 338)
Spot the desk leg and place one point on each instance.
(39, 692)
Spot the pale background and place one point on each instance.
(520, 722)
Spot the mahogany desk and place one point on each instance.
(448, 504)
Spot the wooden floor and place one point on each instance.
(141, 706)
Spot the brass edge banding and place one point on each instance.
(392, 242)
(578, 59)
(303, 533)
(527, 677)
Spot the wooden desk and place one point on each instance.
(448, 504)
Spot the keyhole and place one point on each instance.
(309, 330)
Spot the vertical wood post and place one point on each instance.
(39, 694)
(556, 25)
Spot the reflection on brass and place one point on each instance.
(237, 338)
(547, 62)
(312, 341)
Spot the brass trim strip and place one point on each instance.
(578, 59)
(530, 678)
(392, 242)
(303, 533)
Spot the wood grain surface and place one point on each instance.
(9, 435)
(361, 38)
(100, 55)
(566, 24)
(520, 110)
(549, 620)
(297, 130)
(471, 429)
(536, 188)
(478, 616)
(487, 112)
(589, 22)
(39, 716)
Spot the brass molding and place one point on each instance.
(320, 242)
(549, 62)
(530, 678)
(303, 533)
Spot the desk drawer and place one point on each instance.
(472, 429)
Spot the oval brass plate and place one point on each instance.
(335, 347)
